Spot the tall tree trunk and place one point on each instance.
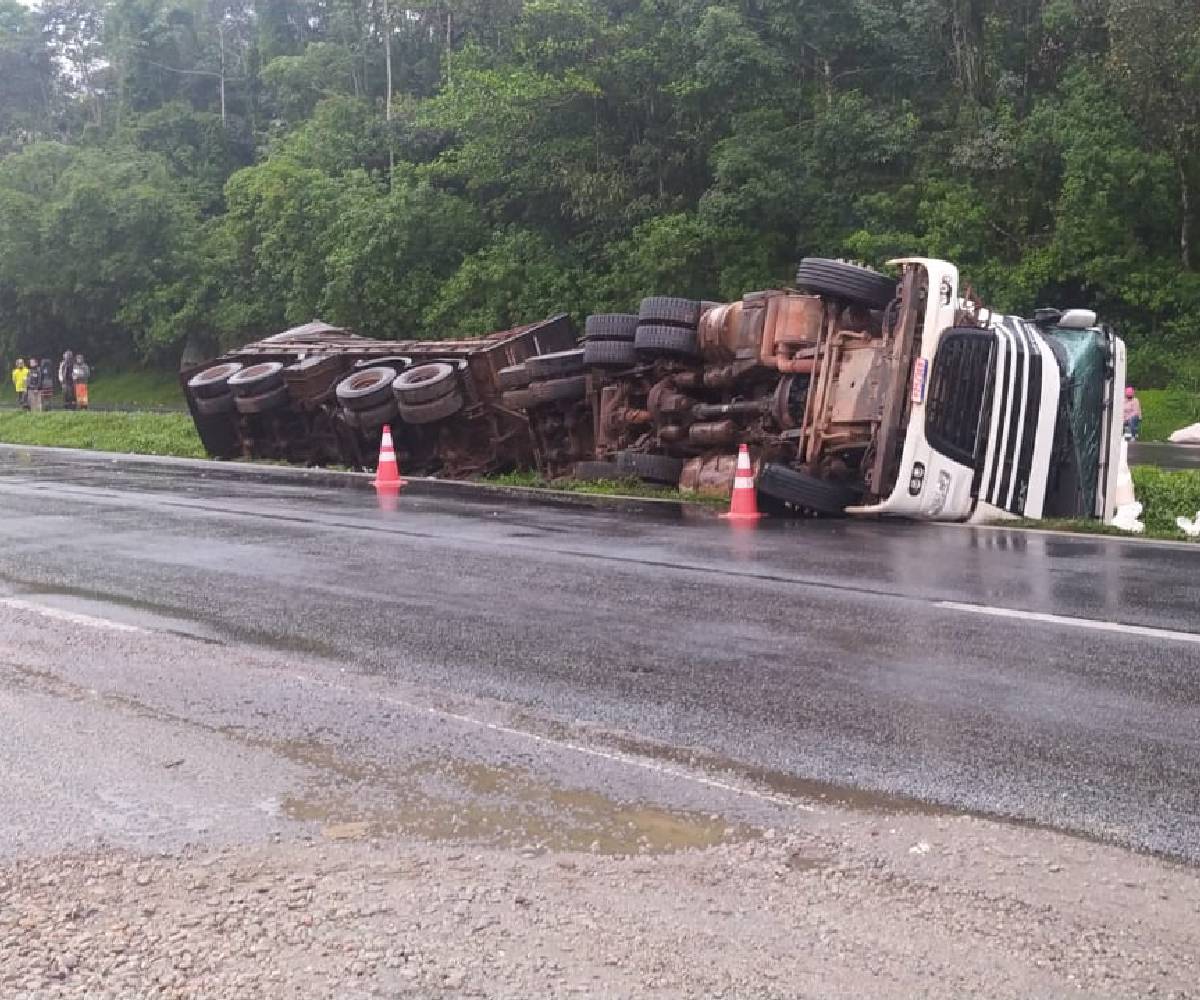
(387, 57)
(387, 111)
(221, 45)
(1185, 213)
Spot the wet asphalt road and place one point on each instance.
(1165, 456)
(812, 658)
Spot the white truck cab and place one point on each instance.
(1006, 417)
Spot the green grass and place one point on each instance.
(132, 433)
(133, 389)
(1164, 495)
(1165, 411)
(603, 487)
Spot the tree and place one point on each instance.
(94, 251)
(461, 164)
(1155, 55)
(28, 78)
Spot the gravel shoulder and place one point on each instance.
(190, 819)
(861, 912)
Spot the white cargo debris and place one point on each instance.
(1189, 526)
(1186, 435)
(1127, 518)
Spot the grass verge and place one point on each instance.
(1164, 495)
(131, 433)
(603, 487)
(1165, 411)
(133, 389)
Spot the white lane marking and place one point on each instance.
(609, 755)
(1089, 623)
(68, 616)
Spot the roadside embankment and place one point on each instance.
(132, 433)
(122, 390)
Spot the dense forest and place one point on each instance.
(206, 171)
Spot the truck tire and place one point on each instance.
(375, 416)
(264, 402)
(609, 353)
(211, 382)
(559, 390)
(432, 410)
(366, 388)
(848, 282)
(805, 490)
(661, 310)
(257, 380)
(676, 341)
(556, 365)
(517, 399)
(513, 377)
(591, 472)
(214, 406)
(425, 383)
(610, 326)
(652, 468)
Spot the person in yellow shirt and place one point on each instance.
(20, 377)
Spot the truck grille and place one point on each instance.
(958, 390)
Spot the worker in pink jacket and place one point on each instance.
(1133, 413)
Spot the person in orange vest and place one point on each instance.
(83, 374)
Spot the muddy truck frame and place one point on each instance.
(939, 408)
(865, 395)
(857, 393)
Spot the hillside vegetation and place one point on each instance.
(218, 169)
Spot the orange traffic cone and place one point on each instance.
(744, 504)
(387, 472)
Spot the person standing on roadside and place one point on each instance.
(66, 378)
(32, 378)
(1133, 413)
(83, 375)
(46, 382)
(20, 376)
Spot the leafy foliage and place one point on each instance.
(213, 170)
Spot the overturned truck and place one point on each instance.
(856, 392)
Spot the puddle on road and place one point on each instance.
(496, 805)
(439, 799)
(803, 789)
